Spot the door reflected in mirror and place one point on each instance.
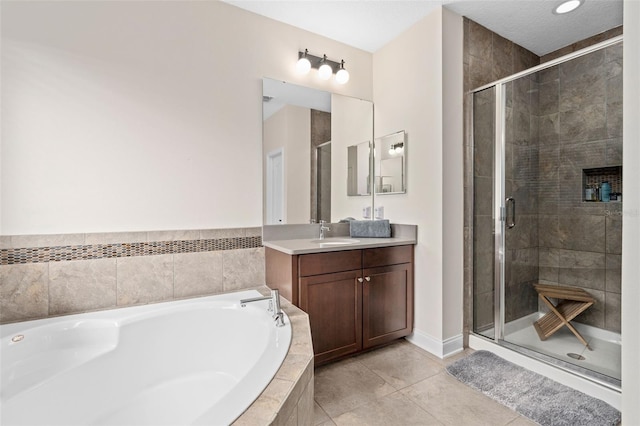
(390, 164)
(305, 136)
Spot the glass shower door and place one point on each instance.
(561, 141)
(519, 224)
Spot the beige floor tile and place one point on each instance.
(522, 421)
(400, 365)
(346, 385)
(319, 416)
(454, 403)
(394, 409)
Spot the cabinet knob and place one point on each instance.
(367, 278)
(360, 280)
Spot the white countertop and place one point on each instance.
(306, 245)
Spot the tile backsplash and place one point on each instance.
(49, 275)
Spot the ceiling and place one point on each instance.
(359, 23)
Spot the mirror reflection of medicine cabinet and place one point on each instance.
(390, 164)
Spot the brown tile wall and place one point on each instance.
(559, 121)
(50, 275)
(320, 133)
(582, 44)
(489, 57)
(580, 127)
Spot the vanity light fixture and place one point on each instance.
(326, 67)
(396, 148)
(567, 6)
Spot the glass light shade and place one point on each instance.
(568, 6)
(392, 151)
(342, 76)
(303, 65)
(399, 149)
(325, 71)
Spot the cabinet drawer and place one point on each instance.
(387, 256)
(326, 263)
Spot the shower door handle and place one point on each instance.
(512, 201)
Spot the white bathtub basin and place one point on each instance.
(198, 361)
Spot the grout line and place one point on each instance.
(320, 406)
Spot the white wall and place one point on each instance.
(121, 116)
(427, 105)
(351, 124)
(631, 217)
(452, 174)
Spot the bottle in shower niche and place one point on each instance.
(605, 191)
(588, 194)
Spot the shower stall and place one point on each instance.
(547, 208)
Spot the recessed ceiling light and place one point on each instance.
(567, 6)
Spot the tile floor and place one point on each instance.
(398, 385)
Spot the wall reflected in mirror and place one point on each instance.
(359, 169)
(390, 164)
(305, 137)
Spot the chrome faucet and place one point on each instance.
(323, 228)
(274, 306)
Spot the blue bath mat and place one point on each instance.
(536, 397)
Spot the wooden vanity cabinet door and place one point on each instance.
(387, 304)
(334, 304)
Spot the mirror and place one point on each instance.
(390, 164)
(359, 169)
(306, 133)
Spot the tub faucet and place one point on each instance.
(274, 306)
(323, 228)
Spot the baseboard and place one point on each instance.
(439, 348)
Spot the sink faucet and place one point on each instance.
(323, 228)
(274, 306)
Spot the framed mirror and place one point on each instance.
(390, 164)
(306, 133)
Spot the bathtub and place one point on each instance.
(198, 361)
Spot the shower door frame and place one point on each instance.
(499, 211)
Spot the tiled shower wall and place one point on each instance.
(581, 128)
(557, 124)
(50, 275)
(320, 191)
(489, 57)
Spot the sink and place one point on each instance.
(335, 241)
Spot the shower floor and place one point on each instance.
(605, 358)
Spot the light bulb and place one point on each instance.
(342, 76)
(392, 151)
(398, 149)
(325, 71)
(568, 6)
(303, 65)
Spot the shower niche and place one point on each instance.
(593, 180)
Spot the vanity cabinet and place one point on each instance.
(356, 299)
